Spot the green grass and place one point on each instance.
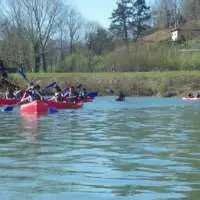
(152, 74)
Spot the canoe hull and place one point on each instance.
(5, 102)
(190, 99)
(35, 107)
(64, 105)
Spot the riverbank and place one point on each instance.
(170, 83)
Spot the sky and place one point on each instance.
(95, 10)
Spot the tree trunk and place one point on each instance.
(71, 46)
(37, 58)
(44, 60)
(125, 31)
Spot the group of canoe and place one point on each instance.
(33, 102)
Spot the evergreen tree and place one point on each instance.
(120, 19)
(100, 41)
(130, 16)
(141, 14)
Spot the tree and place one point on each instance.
(141, 14)
(121, 18)
(39, 19)
(63, 33)
(191, 9)
(74, 24)
(100, 41)
(168, 13)
(15, 48)
(128, 16)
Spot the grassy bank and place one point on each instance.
(169, 83)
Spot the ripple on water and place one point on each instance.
(143, 148)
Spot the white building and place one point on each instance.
(179, 33)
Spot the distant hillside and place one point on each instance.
(164, 34)
(158, 36)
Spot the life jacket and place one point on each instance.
(10, 95)
(58, 96)
(66, 94)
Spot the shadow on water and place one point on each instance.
(143, 148)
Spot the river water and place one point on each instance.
(143, 148)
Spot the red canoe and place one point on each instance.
(35, 107)
(4, 102)
(84, 100)
(64, 105)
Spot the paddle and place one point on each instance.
(92, 94)
(51, 85)
(21, 72)
(7, 109)
(52, 110)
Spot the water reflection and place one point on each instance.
(30, 122)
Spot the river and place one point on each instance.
(143, 148)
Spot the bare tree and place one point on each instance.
(39, 17)
(90, 28)
(15, 48)
(74, 24)
(168, 13)
(63, 30)
(191, 8)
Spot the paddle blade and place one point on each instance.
(21, 72)
(51, 85)
(52, 110)
(8, 109)
(92, 94)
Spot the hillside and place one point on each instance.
(158, 36)
(165, 34)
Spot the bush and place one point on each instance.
(163, 88)
(82, 62)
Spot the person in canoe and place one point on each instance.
(79, 89)
(120, 97)
(32, 94)
(190, 95)
(198, 95)
(58, 96)
(9, 94)
(83, 93)
(66, 92)
(18, 93)
(73, 95)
